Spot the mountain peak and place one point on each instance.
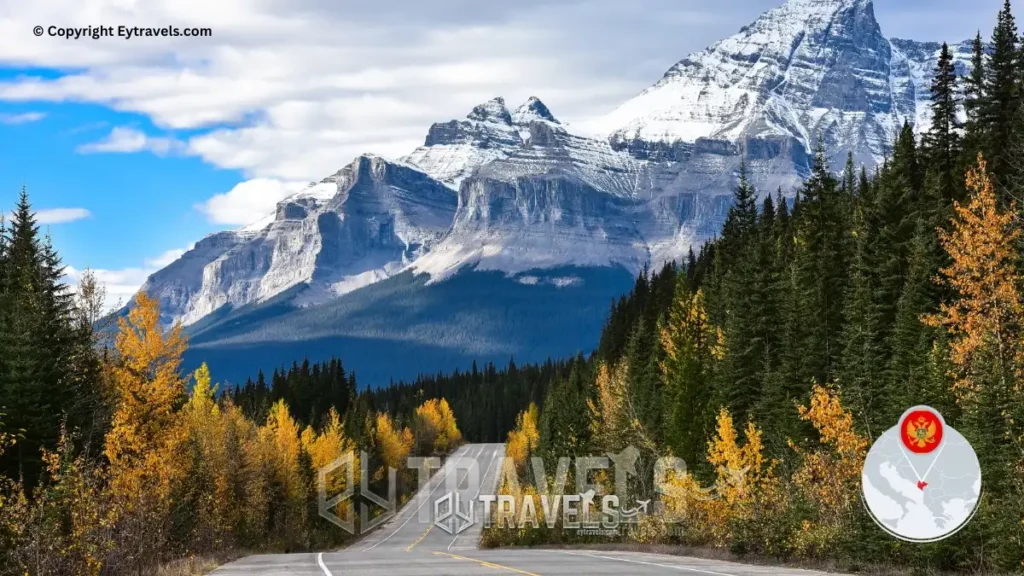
(533, 110)
(493, 110)
(796, 16)
(802, 68)
(829, 4)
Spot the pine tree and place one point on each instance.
(772, 403)
(942, 142)
(862, 358)
(565, 423)
(818, 277)
(1002, 94)
(741, 372)
(644, 383)
(30, 384)
(894, 215)
(907, 375)
(1013, 171)
(974, 100)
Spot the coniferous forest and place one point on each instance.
(781, 350)
(784, 347)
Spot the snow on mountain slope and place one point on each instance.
(920, 59)
(454, 149)
(533, 110)
(517, 191)
(805, 68)
(561, 199)
(358, 226)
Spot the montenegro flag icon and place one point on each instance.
(921, 431)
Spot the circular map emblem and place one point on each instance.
(921, 478)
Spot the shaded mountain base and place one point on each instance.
(401, 327)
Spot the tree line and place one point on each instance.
(485, 401)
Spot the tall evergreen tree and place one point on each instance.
(740, 380)
(942, 142)
(860, 376)
(48, 374)
(894, 216)
(818, 277)
(910, 342)
(565, 422)
(1002, 93)
(973, 101)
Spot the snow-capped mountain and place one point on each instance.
(803, 69)
(517, 198)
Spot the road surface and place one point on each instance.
(411, 545)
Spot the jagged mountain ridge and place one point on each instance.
(517, 191)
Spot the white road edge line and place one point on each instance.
(669, 566)
(320, 561)
(425, 500)
(490, 463)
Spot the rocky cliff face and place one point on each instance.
(519, 191)
(358, 226)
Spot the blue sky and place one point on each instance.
(147, 145)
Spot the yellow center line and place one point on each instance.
(429, 528)
(487, 564)
(420, 539)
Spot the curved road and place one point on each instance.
(411, 545)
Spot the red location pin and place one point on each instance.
(921, 431)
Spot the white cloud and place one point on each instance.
(23, 118)
(57, 215)
(122, 284)
(166, 258)
(248, 201)
(292, 90)
(123, 139)
(61, 215)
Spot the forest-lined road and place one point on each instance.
(410, 546)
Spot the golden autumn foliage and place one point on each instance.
(393, 444)
(184, 474)
(281, 434)
(327, 447)
(69, 531)
(609, 415)
(985, 323)
(742, 479)
(144, 434)
(209, 452)
(523, 521)
(522, 441)
(829, 475)
(987, 317)
(436, 430)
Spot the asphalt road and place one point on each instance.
(411, 544)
